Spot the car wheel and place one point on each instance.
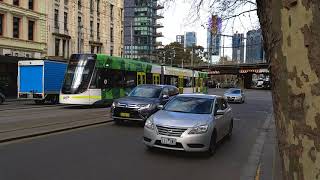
(1, 100)
(242, 100)
(118, 121)
(54, 100)
(230, 130)
(213, 144)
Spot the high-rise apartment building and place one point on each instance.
(238, 48)
(140, 28)
(180, 39)
(84, 26)
(254, 47)
(214, 43)
(190, 39)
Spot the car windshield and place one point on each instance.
(147, 92)
(78, 74)
(190, 105)
(235, 92)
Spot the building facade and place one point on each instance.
(214, 43)
(84, 26)
(22, 35)
(140, 29)
(254, 47)
(238, 48)
(23, 28)
(190, 39)
(180, 39)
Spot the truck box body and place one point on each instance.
(39, 78)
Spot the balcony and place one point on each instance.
(158, 25)
(158, 44)
(158, 16)
(159, 34)
(158, 7)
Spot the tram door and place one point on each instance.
(141, 78)
(156, 78)
(180, 84)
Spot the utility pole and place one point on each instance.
(174, 55)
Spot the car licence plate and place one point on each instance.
(169, 141)
(125, 115)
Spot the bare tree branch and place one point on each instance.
(236, 15)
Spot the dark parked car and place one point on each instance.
(2, 98)
(142, 102)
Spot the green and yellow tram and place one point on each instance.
(99, 78)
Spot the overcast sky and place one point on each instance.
(176, 21)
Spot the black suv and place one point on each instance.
(142, 102)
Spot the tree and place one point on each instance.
(291, 33)
(179, 55)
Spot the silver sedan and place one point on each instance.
(235, 95)
(190, 122)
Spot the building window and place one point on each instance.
(16, 2)
(92, 49)
(111, 52)
(98, 49)
(56, 18)
(65, 17)
(111, 34)
(111, 12)
(98, 30)
(16, 27)
(91, 6)
(30, 30)
(31, 4)
(57, 47)
(121, 36)
(1, 24)
(66, 2)
(79, 4)
(91, 28)
(98, 7)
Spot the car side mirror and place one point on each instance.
(126, 93)
(165, 96)
(219, 112)
(160, 106)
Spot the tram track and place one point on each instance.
(29, 106)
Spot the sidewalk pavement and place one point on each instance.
(270, 162)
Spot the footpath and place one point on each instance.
(34, 121)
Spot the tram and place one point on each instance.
(99, 78)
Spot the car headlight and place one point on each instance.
(199, 129)
(144, 106)
(149, 124)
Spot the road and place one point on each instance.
(109, 151)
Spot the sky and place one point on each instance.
(176, 22)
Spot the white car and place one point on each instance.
(190, 122)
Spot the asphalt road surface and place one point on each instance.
(112, 152)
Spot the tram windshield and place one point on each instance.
(78, 74)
